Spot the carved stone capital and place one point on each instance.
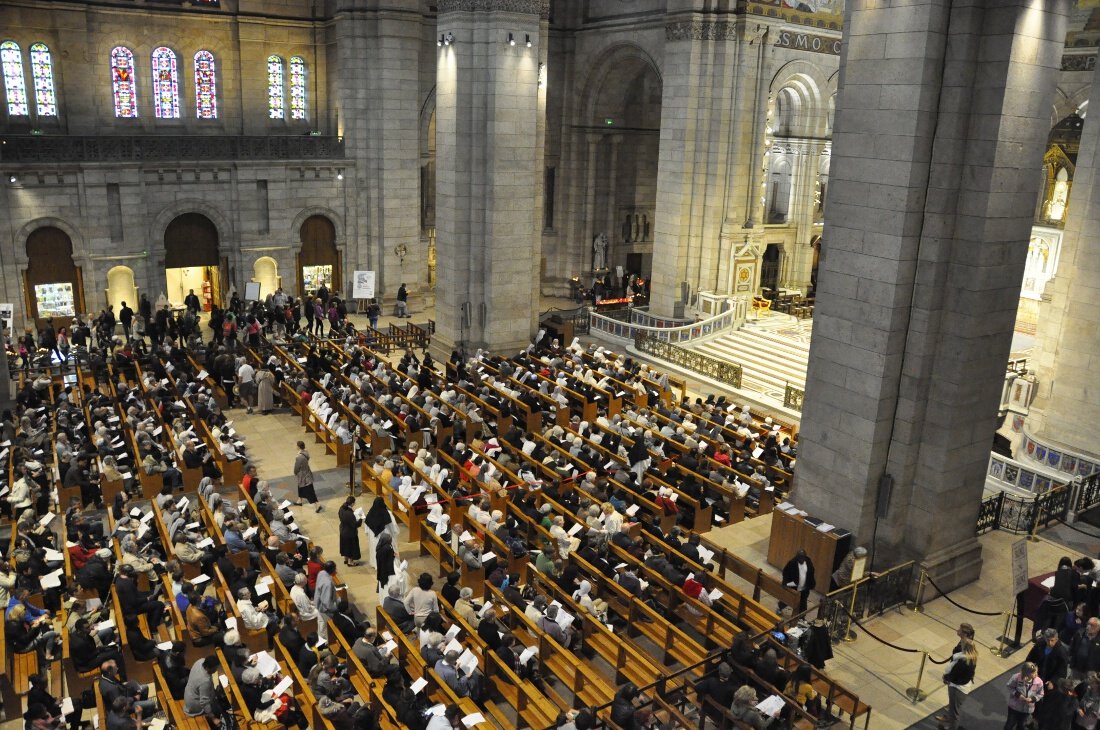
(525, 7)
(701, 30)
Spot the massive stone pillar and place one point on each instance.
(489, 137)
(377, 46)
(941, 122)
(710, 82)
(1066, 409)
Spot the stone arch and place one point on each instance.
(332, 215)
(427, 115)
(612, 60)
(20, 240)
(169, 213)
(801, 86)
(121, 287)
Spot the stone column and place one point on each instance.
(703, 63)
(941, 122)
(611, 224)
(1067, 404)
(377, 103)
(591, 176)
(489, 133)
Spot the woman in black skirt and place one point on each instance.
(349, 533)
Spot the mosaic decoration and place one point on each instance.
(206, 86)
(276, 100)
(15, 86)
(166, 93)
(45, 98)
(122, 83)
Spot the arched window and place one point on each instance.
(206, 86)
(166, 93)
(297, 88)
(276, 99)
(45, 100)
(122, 83)
(15, 86)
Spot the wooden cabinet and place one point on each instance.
(791, 533)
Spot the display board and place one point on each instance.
(362, 285)
(252, 291)
(55, 300)
(7, 314)
(314, 276)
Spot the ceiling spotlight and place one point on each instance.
(511, 40)
(339, 176)
(449, 39)
(440, 41)
(12, 179)
(528, 39)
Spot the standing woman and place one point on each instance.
(349, 533)
(265, 390)
(1025, 689)
(305, 478)
(958, 677)
(385, 557)
(379, 520)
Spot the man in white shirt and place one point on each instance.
(246, 384)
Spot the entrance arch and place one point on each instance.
(266, 271)
(319, 259)
(53, 285)
(622, 100)
(192, 260)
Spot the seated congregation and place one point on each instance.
(563, 494)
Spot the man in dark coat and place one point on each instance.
(798, 574)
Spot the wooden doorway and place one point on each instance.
(192, 260)
(319, 259)
(53, 285)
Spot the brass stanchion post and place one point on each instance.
(850, 635)
(917, 607)
(1000, 650)
(914, 693)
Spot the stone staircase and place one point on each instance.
(769, 360)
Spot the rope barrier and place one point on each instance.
(1093, 535)
(857, 622)
(956, 604)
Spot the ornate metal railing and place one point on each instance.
(29, 148)
(1088, 493)
(1022, 515)
(870, 596)
(792, 397)
(724, 372)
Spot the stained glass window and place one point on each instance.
(206, 86)
(297, 88)
(122, 83)
(166, 94)
(45, 100)
(15, 86)
(276, 102)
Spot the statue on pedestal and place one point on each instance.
(599, 252)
